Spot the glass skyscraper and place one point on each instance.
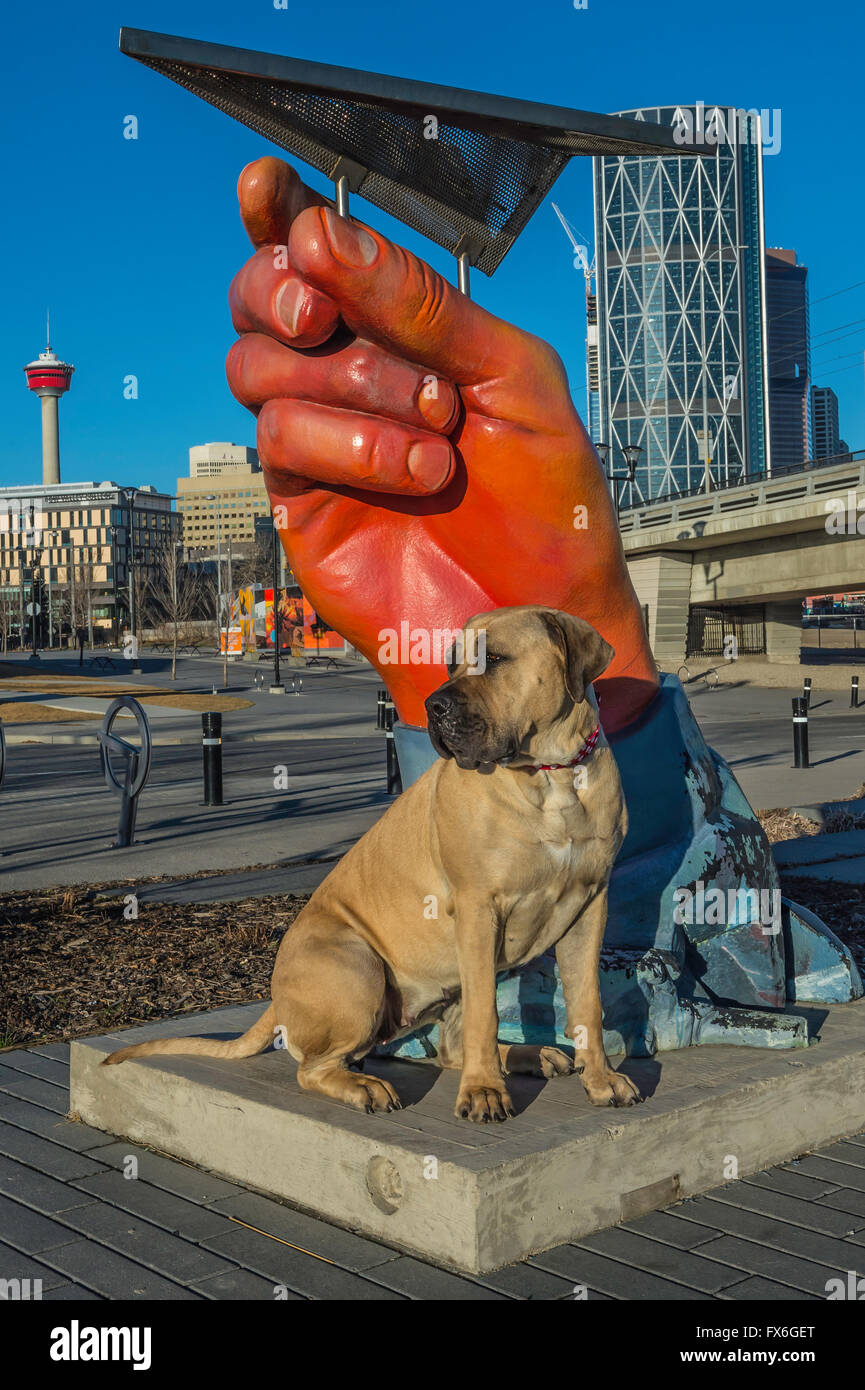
(681, 307)
(789, 358)
(824, 416)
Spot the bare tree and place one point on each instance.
(173, 594)
(6, 610)
(255, 564)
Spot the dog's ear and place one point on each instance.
(584, 651)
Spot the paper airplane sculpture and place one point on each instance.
(464, 168)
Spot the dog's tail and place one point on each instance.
(255, 1039)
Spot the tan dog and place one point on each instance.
(512, 835)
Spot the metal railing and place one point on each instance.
(853, 456)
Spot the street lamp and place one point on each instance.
(53, 545)
(28, 553)
(61, 545)
(277, 687)
(222, 634)
(129, 494)
(632, 454)
(719, 431)
(114, 531)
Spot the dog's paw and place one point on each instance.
(483, 1101)
(369, 1093)
(523, 1059)
(611, 1088)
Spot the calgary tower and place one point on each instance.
(49, 378)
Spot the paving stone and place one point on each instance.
(420, 1280)
(45, 1156)
(33, 1088)
(241, 1284)
(75, 1293)
(845, 1153)
(315, 1236)
(163, 1209)
(36, 1190)
(843, 1199)
(300, 1272)
(777, 1265)
(756, 1289)
(670, 1227)
(15, 1265)
(37, 1064)
(586, 1268)
(813, 1215)
(777, 1233)
(58, 1050)
(526, 1281)
(157, 1249)
(792, 1183)
(8, 1074)
(843, 1174)
(114, 1276)
(168, 1173)
(653, 1256)
(29, 1230)
(69, 1133)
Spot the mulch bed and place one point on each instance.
(72, 965)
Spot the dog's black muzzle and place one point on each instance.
(458, 732)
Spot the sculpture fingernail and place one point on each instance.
(349, 244)
(429, 464)
(289, 302)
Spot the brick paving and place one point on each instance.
(71, 1217)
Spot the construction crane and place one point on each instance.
(581, 262)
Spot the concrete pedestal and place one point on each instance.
(478, 1197)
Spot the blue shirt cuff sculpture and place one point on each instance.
(690, 954)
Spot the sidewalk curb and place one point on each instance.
(820, 813)
(89, 740)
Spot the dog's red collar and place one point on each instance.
(588, 748)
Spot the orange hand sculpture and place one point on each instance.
(423, 458)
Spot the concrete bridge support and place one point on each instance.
(784, 630)
(663, 585)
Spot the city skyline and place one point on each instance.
(145, 230)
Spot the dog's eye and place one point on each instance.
(494, 658)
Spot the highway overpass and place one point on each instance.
(759, 545)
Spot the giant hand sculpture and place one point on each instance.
(423, 458)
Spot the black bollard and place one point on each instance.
(394, 780)
(854, 692)
(211, 747)
(380, 708)
(800, 731)
(806, 692)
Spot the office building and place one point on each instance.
(72, 543)
(221, 498)
(788, 339)
(681, 307)
(213, 460)
(824, 423)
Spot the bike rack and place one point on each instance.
(137, 765)
(710, 677)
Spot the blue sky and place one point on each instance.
(133, 243)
